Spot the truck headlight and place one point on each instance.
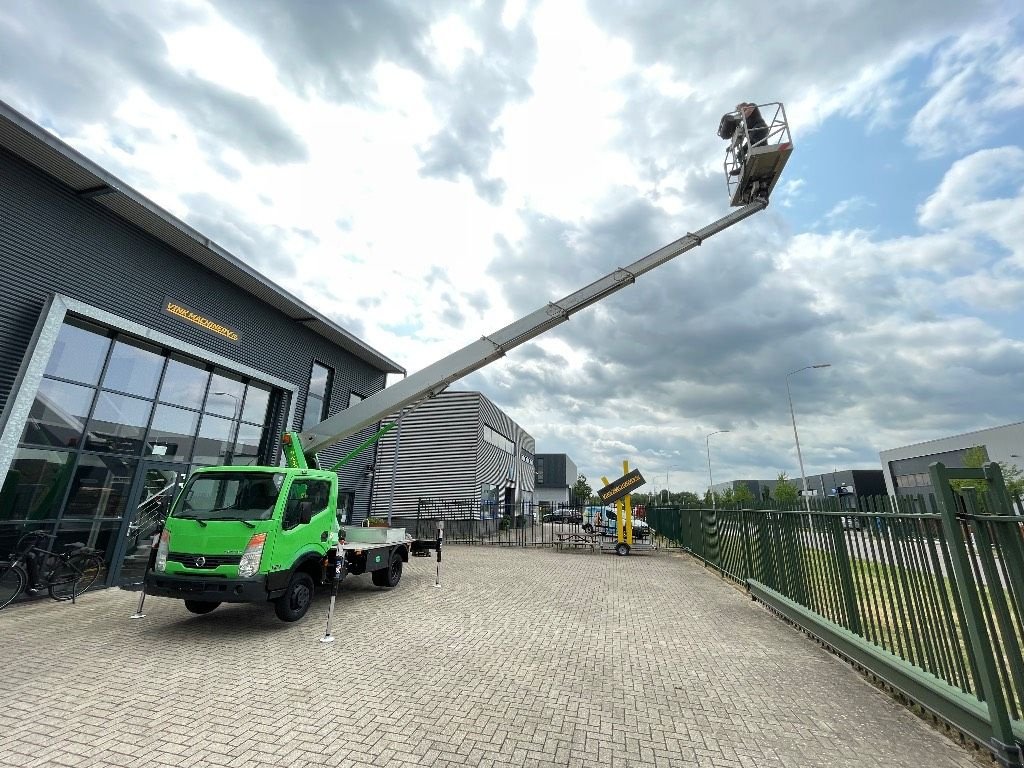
(250, 562)
(162, 550)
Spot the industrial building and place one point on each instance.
(132, 349)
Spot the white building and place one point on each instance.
(906, 469)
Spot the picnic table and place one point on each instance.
(576, 540)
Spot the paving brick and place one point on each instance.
(524, 658)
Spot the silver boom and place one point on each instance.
(433, 379)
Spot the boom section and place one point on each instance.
(433, 379)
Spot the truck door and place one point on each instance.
(298, 537)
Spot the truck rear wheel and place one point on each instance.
(390, 576)
(293, 604)
(199, 606)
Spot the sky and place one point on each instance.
(426, 172)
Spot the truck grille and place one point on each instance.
(203, 561)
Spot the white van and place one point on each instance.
(602, 520)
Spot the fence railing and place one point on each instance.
(927, 593)
(523, 524)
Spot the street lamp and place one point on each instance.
(711, 482)
(668, 493)
(792, 415)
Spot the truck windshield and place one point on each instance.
(230, 496)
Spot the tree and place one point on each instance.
(743, 494)
(785, 491)
(689, 499)
(976, 457)
(581, 491)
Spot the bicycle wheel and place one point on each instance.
(12, 581)
(75, 575)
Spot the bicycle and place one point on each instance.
(67, 574)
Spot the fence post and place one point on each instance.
(845, 566)
(748, 560)
(1003, 743)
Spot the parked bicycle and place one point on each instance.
(65, 575)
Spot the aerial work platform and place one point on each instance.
(759, 146)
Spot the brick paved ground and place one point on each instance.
(523, 658)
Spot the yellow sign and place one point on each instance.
(177, 309)
(621, 487)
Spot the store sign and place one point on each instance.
(177, 309)
(621, 487)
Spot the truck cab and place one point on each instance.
(249, 534)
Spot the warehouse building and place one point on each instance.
(132, 349)
(906, 467)
(457, 449)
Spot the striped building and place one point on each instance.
(456, 446)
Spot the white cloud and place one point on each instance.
(977, 83)
(425, 173)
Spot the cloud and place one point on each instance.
(426, 172)
(977, 83)
(93, 53)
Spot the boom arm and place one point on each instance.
(433, 379)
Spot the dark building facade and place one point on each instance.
(556, 474)
(133, 349)
(846, 484)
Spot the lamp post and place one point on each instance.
(796, 437)
(668, 493)
(711, 482)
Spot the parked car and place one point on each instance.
(562, 516)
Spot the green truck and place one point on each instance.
(259, 534)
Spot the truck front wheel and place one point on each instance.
(293, 604)
(390, 576)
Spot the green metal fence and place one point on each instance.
(926, 592)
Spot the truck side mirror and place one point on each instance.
(305, 512)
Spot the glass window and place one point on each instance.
(319, 381)
(172, 433)
(346, 500)
(184, 384)
(35, 483)
(214, 440)
(225, 398)
(133, 368)
(230, 496)
(247, 445)
(58, 414)
(118, 424)
(79, 353)
(100, 486)
(256, 400)
(317, 492)
(319, 396)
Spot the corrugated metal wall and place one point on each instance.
(53, 241)
(442, 454)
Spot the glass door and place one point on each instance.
(148, 506)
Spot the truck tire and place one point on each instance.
(199, 606)
(588, 528)
(293, 604)
(390, 576)
(622, 549)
